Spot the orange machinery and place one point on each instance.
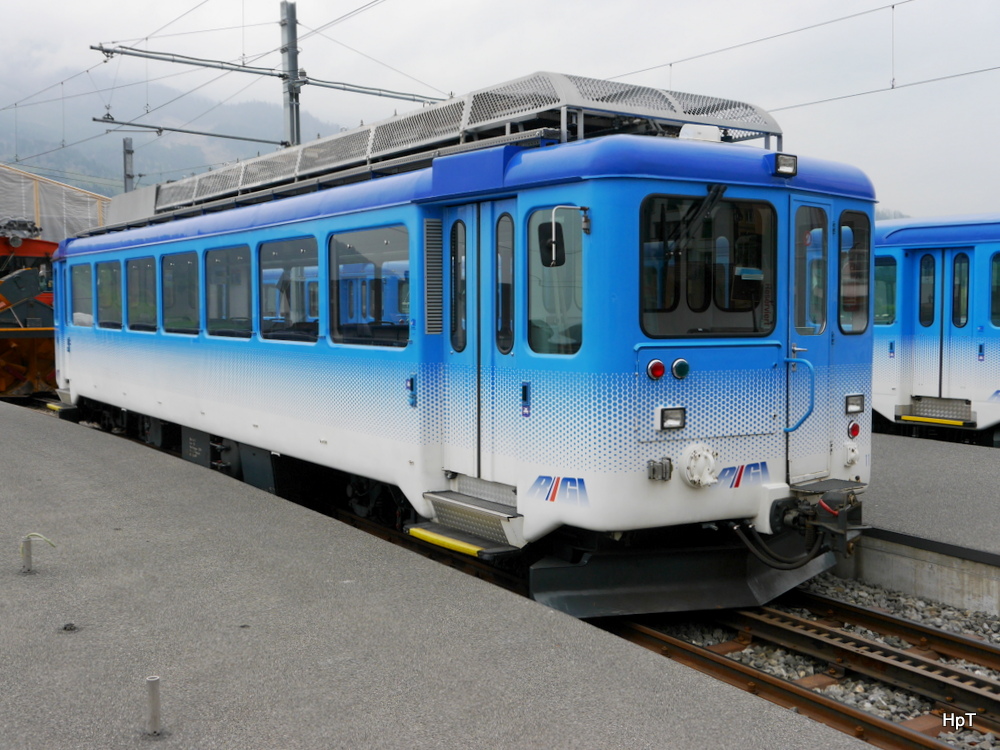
(27, 353)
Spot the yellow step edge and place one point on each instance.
(932, 420)
(447, 542)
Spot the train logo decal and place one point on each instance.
(568, 490)
(747, 474)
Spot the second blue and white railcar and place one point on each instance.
(615, 354)
(937, 325)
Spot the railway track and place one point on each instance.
(958, 696)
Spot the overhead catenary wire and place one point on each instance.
(884, 89)
(374, 60)
(769, 38)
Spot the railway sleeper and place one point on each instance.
(952, 688)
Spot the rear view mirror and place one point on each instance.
(553, 250)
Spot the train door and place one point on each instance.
(811, 330)
(941, 333)
(481, 394)
(461, 358)
(499, 392)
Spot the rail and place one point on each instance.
(848, 719)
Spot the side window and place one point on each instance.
(555, 281)
(286, 270)
(140, 289)
(81, 281)
(181, 313)
(109, 294)
(459, 289)
(810, 270)
(885, 291)
(960, 291)
(370, 287)
(855, 257)
(505, 284)
(925, 293)
(228, 292)
(994, 290)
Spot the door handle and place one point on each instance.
(797, 349)
(812, 390)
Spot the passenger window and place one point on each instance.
(555, 281)
(109, 294)
(140, 290)
(370, 286)
(286, 270)
(459, 313)
(810, 270)
(926, 291)
(181, 313)
(81, 280)
(228, 292)
(505, 284)
(960, 291)
(885, 291)
(855, 257)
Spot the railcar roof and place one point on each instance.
(939, 230)
(505, 169)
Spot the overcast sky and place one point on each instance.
(930, 148)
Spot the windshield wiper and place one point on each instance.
(696, 214)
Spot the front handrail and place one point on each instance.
(812, 390)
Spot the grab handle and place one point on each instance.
(812, 390)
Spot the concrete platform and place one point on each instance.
(949, 492)
(275, 628)
(934, 506)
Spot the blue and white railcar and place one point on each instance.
(937, 325)
(641, 360)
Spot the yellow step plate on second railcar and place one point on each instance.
(935, 420)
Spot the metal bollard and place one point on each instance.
(26, 550)
(26, 555)
(153, 691)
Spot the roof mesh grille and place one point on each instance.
(345, 149)
(219, 182)
(612, 92)
(515, 98)
(504, 113)
(427, 125)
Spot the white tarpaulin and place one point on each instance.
(60, 210)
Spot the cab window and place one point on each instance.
(708, 266)
(854, 262)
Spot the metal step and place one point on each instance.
(459, 541)
(481, 518)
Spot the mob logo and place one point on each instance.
(737, 476)
(569, 490)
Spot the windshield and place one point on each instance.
(708, 266)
